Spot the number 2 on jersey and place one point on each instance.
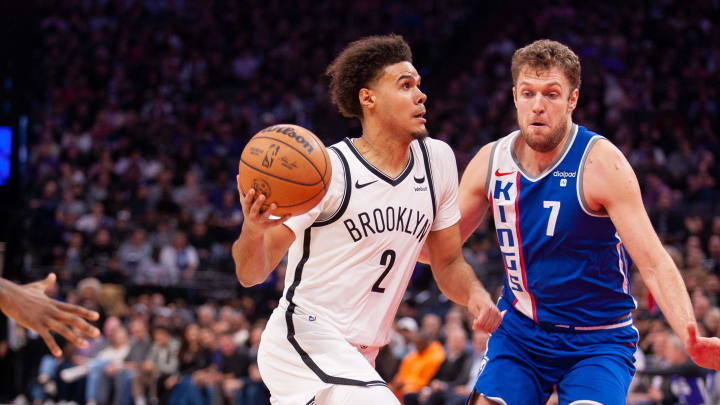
(388, 255)
(554, 211)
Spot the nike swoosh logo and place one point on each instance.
(358, 185)
(500, 174)
(419, 180)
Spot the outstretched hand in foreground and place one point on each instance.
(30, 307)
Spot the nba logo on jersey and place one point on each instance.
(311, 318)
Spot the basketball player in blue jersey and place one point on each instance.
(350, 258)
(567, 211)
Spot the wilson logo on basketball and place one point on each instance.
(270, 154)
(290, 132)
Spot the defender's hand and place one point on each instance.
(30, 307)
(705, 352)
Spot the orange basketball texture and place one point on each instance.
(289, 164)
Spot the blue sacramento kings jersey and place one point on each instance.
(564, 263)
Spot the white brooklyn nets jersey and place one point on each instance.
(354, 253)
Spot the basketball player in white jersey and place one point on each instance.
(351, 257)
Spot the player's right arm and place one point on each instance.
(472, 196)
(262, 243)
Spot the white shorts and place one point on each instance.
(314, 357)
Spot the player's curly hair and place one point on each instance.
(359, 64)
(545, 54)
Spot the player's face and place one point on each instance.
(544, 103)
(399, 103)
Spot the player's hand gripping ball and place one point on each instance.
(289, 165)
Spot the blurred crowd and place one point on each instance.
(142, 108)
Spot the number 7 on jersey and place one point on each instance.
(554, 211)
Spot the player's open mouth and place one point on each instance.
(537, 124)
(420, 116)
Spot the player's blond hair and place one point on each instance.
(545, 54)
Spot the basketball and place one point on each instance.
(289, 165)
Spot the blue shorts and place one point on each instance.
(525, 361)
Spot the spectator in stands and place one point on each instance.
(701, 304)
(71, 205)
(711, 322)
(459, 394)
(163, 234)
(121, 375)
(187, 196)
(229, 217)
(451, 374)
(667, 218)
(233, 363)
(88, 294)
(94, 220)
(179, 259)
(192, 375)
(403, 342)
(713, 249)
(101, 251)
(112, 357)
(432, 325)
(202, 209)
(206, 315)
(254, 339)
(75, 257)
(202, 241)
(161, 363)
(419, 366)
(252, 390)
(135, 254)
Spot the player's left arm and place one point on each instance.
(610, 183)
(457, 280)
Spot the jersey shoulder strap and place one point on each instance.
(331, 216)
(428, 170)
